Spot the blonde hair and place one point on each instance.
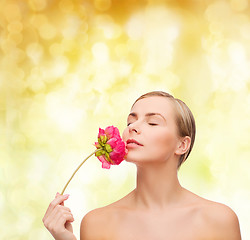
(184, 119)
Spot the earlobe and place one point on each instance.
(183, 145)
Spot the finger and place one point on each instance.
(62, 209)
(66, 209)
(58, 212)
(58, 194)
(59, 219)
(69, 226)
(66, 217)
(58, 200)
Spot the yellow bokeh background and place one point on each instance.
(70, 67)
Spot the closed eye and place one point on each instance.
(152, 124)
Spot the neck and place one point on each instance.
(157, 185)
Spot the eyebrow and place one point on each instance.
(133, 114)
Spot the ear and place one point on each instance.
(183, 145)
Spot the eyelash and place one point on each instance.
(152, 124)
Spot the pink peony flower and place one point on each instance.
(110, 150)
(111, 147)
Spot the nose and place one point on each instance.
(134, 127)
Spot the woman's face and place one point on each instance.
(152, 124)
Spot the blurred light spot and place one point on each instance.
(15, 27)
(36, 85)
(35, 52)
(111, 31)
(83, 27)
(38, 167)
(172, 80)
(100, 52)
(103, 78)
(34, 232)
(66, 5)
(34, 80)
(68, 44)
(135, 27)
(47, 31)
(16, 37)
(59, 66)
(37, 5)
(119, 174)
(109, 28)
(1, 201)
(37, 20)
(217, 11)
(245, 30)
(25, 219)
(215, 27)
(102, 5)
(121, 50)
(124, 69)
(56, 49)
(157, 58)
(172, 32)
(17, 193)
(71, 27)
(159, 24)
(7, 45)
(63, 113)
(237, 53)
(239, 5)
(18, 140)
(238, 78)
(12, 12)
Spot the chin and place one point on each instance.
(135, 160)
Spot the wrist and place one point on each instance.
(64, 237)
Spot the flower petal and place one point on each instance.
(105, 164)
(101, 132)
(112, 142)
(112, 131)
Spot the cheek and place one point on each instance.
(162, 140)
(124, 134)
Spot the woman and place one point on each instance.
(159, 137)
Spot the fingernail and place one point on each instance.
(66, 195)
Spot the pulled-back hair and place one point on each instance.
(183, 116)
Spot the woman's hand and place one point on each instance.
(58, 218)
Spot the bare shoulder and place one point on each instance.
(224, 220)
(94, 225)
(98, 224)
(219, 220)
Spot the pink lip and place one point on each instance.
(132, 143)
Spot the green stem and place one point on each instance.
(78, 169)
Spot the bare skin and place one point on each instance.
(58, 218)
(159, 208)
(194, 219)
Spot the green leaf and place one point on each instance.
(107, 157)
(108, 148)
(101, 152)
